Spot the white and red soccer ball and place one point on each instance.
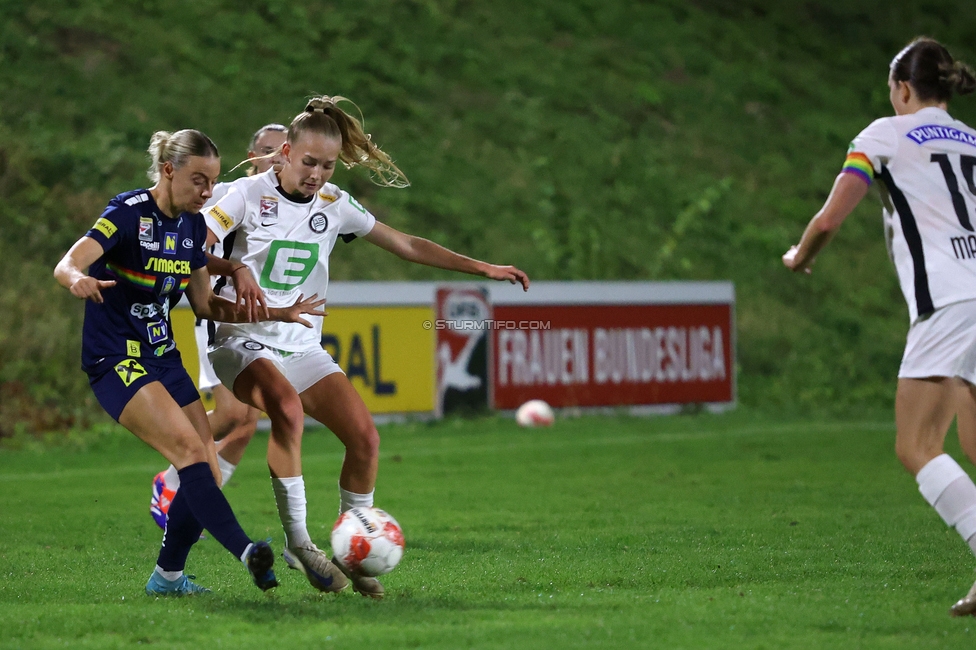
(367, 541)
(535, 413)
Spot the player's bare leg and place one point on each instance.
(263, 386)
(335, 403)
(924, 408)
(233, 424)
(966, 420)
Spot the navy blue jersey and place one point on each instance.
(150, 256)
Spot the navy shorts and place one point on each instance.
(115, 382)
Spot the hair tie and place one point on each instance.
(314, 109)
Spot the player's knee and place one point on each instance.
(287, 415)
(365, 444)
(188, 450)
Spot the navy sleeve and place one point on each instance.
(108, 229)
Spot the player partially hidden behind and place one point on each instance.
(285, 223)
(145, 250)
(232, 422)
(925, 161)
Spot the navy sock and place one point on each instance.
(182, 531)
(210, 508)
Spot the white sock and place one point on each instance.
(292, 510)
(246, 551)
(172, 478)
(349, 500)
(948, 489)
(226, 470)
(169, 575)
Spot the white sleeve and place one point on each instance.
(878, 143)
(354, 219)
(227, 214)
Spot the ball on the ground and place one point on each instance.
(367, 541)
(535, 413)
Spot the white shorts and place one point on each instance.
(230, 356)
(208, 378)
(943, 345)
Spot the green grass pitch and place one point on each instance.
(731, 531)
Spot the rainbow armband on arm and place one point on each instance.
(858, 164)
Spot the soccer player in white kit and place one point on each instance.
(232, 422)
(925, 161)
(284, 225)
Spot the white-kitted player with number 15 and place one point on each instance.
(282, 225)
(925, 161)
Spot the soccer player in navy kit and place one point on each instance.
(145, 250)
(925, 161)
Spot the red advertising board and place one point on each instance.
(612, 354)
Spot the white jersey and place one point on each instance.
(219, 190)
(926, 162)
(286, 245)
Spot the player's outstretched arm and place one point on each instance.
(206, 304)
(70, 275)
(424, 251)
(847, 192)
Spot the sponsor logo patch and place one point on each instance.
(222, 218)
(133, 349)
(253, 346)
(187, 243)
(269, 210)
(157, 332)
(159, 265)
(144, 311)
(169, 243)
(163, 349)
(354, 203)
(146, 229)
(150, 245)
(319, 223)
(129, 371)
(105, 227)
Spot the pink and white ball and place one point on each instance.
(367, 541)
(535, 413)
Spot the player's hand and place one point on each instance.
(301, 306)
(510, 273)
(789, 261)
(88, 288)
(250, 297)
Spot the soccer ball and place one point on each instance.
(367, 541)
(534, 413)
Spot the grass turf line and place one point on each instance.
(732, 531)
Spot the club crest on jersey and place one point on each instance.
(157, 332)
(319, 223)
(146, 229)
(269, 210)
(169, 283)
(169, 243)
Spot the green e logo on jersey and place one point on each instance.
(354, 203)
(297, 260)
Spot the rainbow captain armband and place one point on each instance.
(858, 164)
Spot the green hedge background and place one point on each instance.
(580, 139)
